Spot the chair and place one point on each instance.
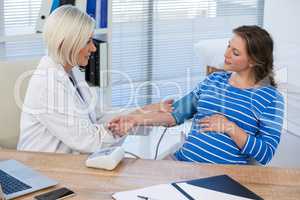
(211, 69)
(11, 72)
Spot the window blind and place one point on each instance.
(153, 42)
(19, 17)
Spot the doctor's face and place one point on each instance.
(85, 52)
(236, 56)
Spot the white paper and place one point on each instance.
(157, 192)
(167, 191)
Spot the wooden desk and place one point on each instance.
(89, 184)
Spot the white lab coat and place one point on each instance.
(55, 118)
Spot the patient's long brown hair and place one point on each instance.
(259, 45)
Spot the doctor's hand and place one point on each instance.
(121, 125)
(163, 106)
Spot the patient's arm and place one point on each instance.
(156, 115)
(122, 124)
(163, 106)
(155, 119)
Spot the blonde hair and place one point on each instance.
(66, 32)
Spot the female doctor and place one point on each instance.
(59, 111)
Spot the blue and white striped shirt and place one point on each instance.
(258, 111)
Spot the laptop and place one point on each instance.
(16, 179)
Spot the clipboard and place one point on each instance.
(220, 187)
(222, 184)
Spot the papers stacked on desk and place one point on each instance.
(213, 188)
(163, 191)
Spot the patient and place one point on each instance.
(237, 114)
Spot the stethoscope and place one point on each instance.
(79, 93)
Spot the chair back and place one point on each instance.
(14, 78)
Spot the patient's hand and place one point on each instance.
(163, 106)
(121, 125)
(216, 122)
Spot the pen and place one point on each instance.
(144, 197)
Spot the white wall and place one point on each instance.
(281, 19)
